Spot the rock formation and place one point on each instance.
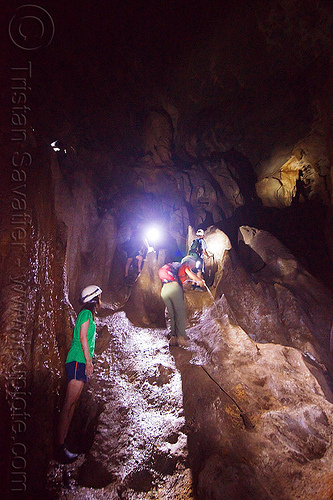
(255, 385)
(215, 115)
(245, 411)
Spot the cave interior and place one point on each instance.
(118, 117)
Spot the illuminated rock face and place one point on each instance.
(90, 240)
(275, 389)
(152, 416)
(145, 307)
(234, 125)
(35, 321)
(301, 173)
(273, 320)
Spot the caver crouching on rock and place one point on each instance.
(173, 277)
(136, 248)
(198, 250)
(78, 366)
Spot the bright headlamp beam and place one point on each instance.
(153, 235)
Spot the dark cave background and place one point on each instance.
(158, 91)
(241, 79)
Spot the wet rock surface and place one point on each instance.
(244, 412)
(139, 443)
(227, 418)
(190, 132)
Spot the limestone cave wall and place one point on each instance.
(265, 300)
(36, 316)
(218, 116)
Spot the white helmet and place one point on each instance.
(188, 259)
(89, 293)
(200, 232)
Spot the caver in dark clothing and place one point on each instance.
(135, 248)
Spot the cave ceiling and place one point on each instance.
(229, 74)
(173, 108)
(127, 88)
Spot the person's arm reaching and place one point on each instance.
(195, 278)
(205, 250)
(85, 347)
(206, 254)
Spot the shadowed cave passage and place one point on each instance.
(280, 305)
(215, 115)
(166, 427)
(132, 196)
(139, 442)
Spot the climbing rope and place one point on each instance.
(246, 419)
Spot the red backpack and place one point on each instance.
(169, 272)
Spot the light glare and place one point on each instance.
(153, 235)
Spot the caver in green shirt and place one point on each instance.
(76, 352)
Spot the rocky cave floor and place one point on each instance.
(143, 429)
(132, 418)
